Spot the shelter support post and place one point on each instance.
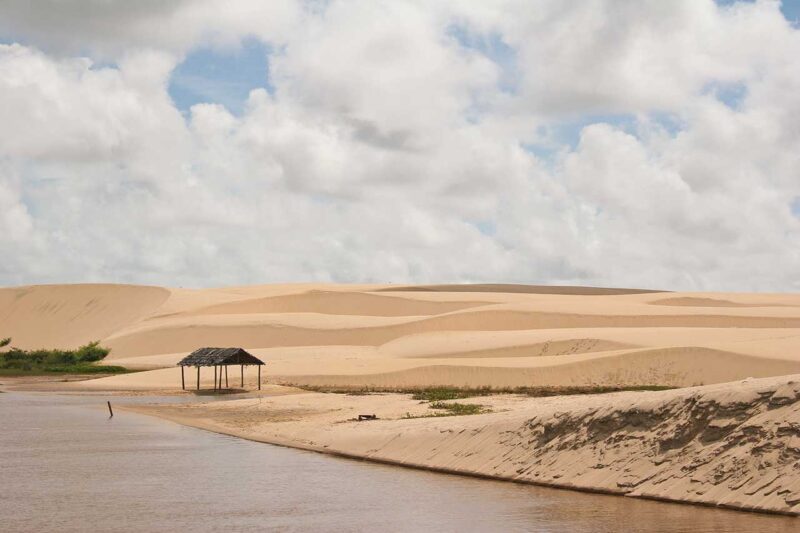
(215, 377)
(198, 377)
(242, 375)
(259, 377)
(226, 376)
(183, 381)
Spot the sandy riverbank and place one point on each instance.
(730, 437)
(734, 445)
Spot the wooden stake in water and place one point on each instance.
(109, 410)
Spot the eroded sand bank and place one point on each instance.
(735, 445)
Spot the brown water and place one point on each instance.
(67, 467)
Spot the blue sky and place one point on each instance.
(493, 47)
(790, 8)
(221, 76)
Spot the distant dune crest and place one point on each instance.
(494, 335)
(519, 289)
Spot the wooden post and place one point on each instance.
(226, 376)
(198, 377)
(110, 411)
(242, 375)
(215, 377)
(259, 377)
(183, 382)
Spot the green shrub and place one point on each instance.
(86, 369)
(438, 394)
(91, 352)
(58, 361)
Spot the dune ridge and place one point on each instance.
(688, 301)
(333, 303)
(519, 289)
(166, 337)
(676, 367)
(539, 349)
(464, 334)
(66, 316)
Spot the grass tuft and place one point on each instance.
(438, 394)
(451, 409)
(458, 409)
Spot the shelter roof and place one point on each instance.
(220, 356)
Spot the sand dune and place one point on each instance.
(66, 316)
(708, 302)
(339, 303)
(159, 338)
(767, 342)
(396, 336)
(539, 349)
(519, 289)
(678, 367)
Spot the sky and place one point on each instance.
(203, 143)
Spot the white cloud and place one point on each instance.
(389, 67)
(390, 151)
(66, 110)
(110, 28)
(604, 56)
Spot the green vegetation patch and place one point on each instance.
(452, 409)
(439, 394)
(457, 409)
(16, 361)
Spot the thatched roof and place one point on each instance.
(220, 356)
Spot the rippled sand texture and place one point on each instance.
(480, 335)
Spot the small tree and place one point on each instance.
(91, 352)
(5, 342)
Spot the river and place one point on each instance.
(67, 466)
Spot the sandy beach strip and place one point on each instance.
(733, 445)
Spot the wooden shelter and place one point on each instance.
(220, 358)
